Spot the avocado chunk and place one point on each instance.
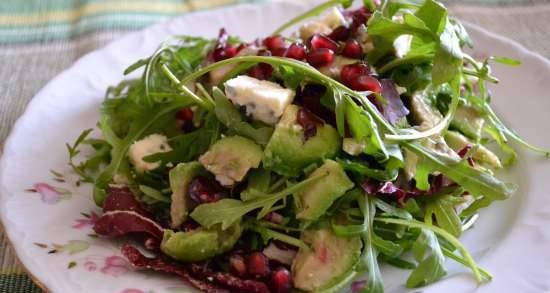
(468, 121)
(481, 154)
(330, 259)
(316, 198)
(288, 153)
(230, 158)
(200, 244)
(180, 178)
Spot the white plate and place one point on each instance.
(512, 238)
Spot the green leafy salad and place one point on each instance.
(303, 162)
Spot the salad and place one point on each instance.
(303, 162)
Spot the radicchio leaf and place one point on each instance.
(393, 109)
(122, 199)
(118, 223)
(137, 259)
(230, 281)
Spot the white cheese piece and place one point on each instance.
(325, 26)
(152, 144)
(402, 45)
(309, 29)
(334, 18)
(264, 100)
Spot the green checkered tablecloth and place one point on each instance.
(40, 38)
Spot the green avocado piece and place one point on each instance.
(199, 245)
(180, 178)
(469, 121)
(286, 152)
(482, 155)
(231, 157)
(330, 260)
(316, 198)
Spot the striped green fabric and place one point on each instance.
(50, 20)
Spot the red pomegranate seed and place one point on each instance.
(296, 51)
(340, 33)
(352, 71)
(224, 52)
(205, 190)
(261, 71)
(352, 49)
(319, 41)
(366, 83)
(309, 122)
(241, 47)
(320, 57)
(237, 265)
(279, 52)
(258, 265)
(274, 218)
(185, 114)
(281, 281)
(274, 42)
(359, 17)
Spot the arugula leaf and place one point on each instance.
(392, 210)
(363, 128)
(153, 194)
(259, 181)
(433, 14)
(369, 257)
(268, 234)
(468, 259)
(228, 211)
(154, 119)
(473, 180)
(386, 247)
(431, 262)
(231, 118)
(445, 215)
(189, 146)
(447, 62)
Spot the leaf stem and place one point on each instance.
(181, 86)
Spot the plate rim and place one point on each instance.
(10, 140)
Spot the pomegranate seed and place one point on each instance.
(205, 190)
(359, 17)
(281, 281)
(319, 41)
(241, 47)
(366, 83)
(279, 52)
(352, 49)
(237, 265)
(296, 51)
(274, 42)
(185, 114)
(320, 57)
(340, 33)
(258, 265)
(352, 71)
(225, 52)
(274, 217)
(261, 71)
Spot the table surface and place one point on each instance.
(33, 49)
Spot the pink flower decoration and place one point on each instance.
(115, 266)
(132, 291)
(86, 222)
(50, 194)
(358, 285)
(90, 266)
